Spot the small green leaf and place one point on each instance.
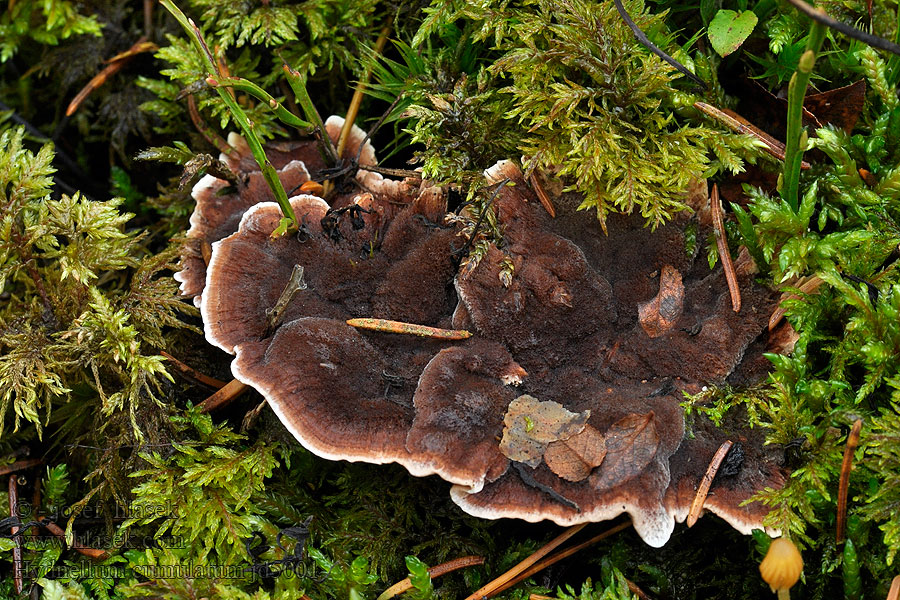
(729, 29)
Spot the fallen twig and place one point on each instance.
(189, 372)
(388, 326)
(224, 396)
(821, 17)
(808, 286)
(542, 194)
(722, 246)
(435, 571)
(894, 592)
(356, 101)
(643, 39)
(703, 488)
(739, 124)
(115, 65)
(21, 465)
(844, 485)
(543, 564)
(18, 564)
(499, 583)
(94, 553)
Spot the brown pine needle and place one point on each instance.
(703, 489)
(191, 373)
(357, 99)
(205, 130)
(115, 65)
(18, 564)
(724, 254)
(94, 553)
(224, 396)
(844, 485)
(20, 465)
(739, 124)
(542, 195)
(543, 564)
(388, 326)
(499, 583)
(894, 593)
(808, 286)
(435, 571)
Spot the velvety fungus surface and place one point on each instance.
(565, 403)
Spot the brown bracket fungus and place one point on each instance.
(565, 402)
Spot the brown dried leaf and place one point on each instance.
(840, 107)
(660, 314)
(531, 424)
(631, 443)
(574, 459)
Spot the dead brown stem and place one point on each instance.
(21, 465)
(224, 396)
(499, 583)
(724, 254)
(542, 194)
(115, 65)
(844, 485)
(93, 553)
(18, 565)
(205, 130)
(192, 374)
(435, 571)
(703, 488)
(543, 564)
(356, 101)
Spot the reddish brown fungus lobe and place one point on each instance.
(602, 331)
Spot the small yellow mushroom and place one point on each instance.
(781, 567)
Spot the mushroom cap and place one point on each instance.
(556, 314)
(782, 565)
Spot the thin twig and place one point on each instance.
(191, 373)
(643, 39)
(540, 566)
(703, 488)
(274, 315)
(435, 571)
(356, 101)
(388, 326)
(822, 17)
(491, 588)
(224, 396)
(722, 246)
(20, 465)
(809, 286)
(739, 124)
(18, 564)
(94, 553)
(542, 195)
(844, 481)
(205, 130)
(115, 65)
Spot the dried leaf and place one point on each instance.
(574, 459)
(531, 424)
(840, 107)
(631, 444)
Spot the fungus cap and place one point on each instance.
(782, 565)
(555, 313)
